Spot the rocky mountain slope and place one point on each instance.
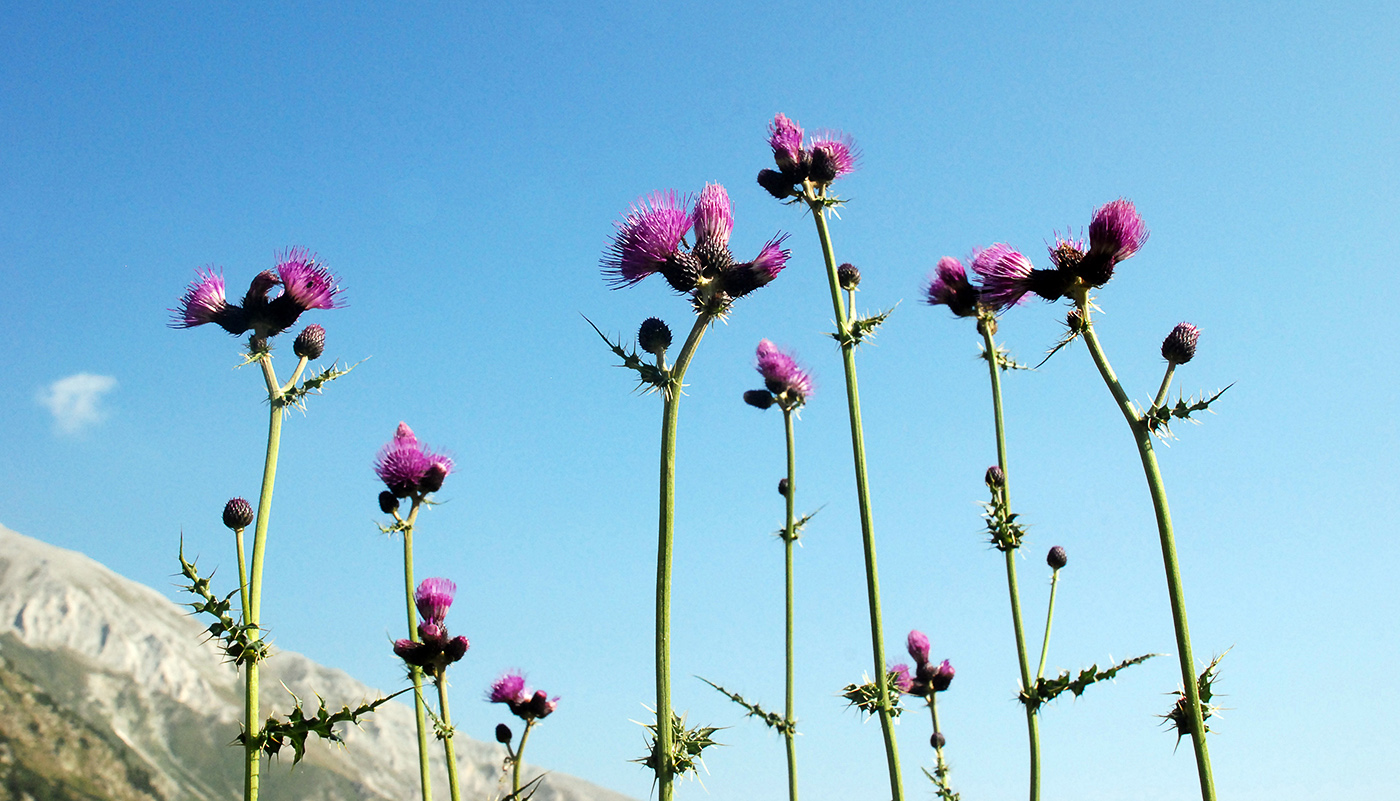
(109, 691)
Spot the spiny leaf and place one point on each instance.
(236, 639)
(1002, 529)
(1047, 689)
(1004, 360)
(687, 745)
(939, 777)
(866, 696)
(296, 396)
(1180, 715)
(862, 327)
(798, 525)
(772, 719)
(294, 729)
(650, 377)
(1158, 419)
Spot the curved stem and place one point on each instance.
(867, 530)
(1143, 437)
(665, 770)
(420, 714)
(1166, 385)
(448, 749)
(789, 537)
(1049, 618)
(985, 324)
(519, 760)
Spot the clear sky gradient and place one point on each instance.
(460, 166)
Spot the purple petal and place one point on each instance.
(644, 241)
(509, 688)
(1117, 231)
(838, 149)
(918, 647)
(434, 598)
(781, 373)
(1005, 275)
(714, 216)
(306, 281)
(786, 140)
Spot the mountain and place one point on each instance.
(111, 692)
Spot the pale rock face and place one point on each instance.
(131, 662)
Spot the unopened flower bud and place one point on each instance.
(257, 344)
(777, 184)
(238, 514)
(942, 676)
(310, 343)
(388, 504)
(503, 734)
(1180, 345)
(783, 487)
(1057, 558)
(654, 337)
(996, 477)
(759, 398)
(823, 170)
(432, 480)
(849, 276)
(938, 740)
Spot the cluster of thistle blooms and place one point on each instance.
(306, 284)
(524, 702)
(408, 470)
(652, 240)
(785, 383)
(828, 155)
(437, 648)
(927, 678)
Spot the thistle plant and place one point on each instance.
(413, 473)
(652, 240)
(787, 386)
(531, 706)
(1116, 233)
(304, 283)
(806, 169)
(430, 652)
(928, 681)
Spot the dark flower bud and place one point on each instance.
(1180, 345)
(759, 398)
(682, 271)
(1074, 320)
(257, 344)
(654, 336)
(938, 740)
(388, 504)
(310, 343)
(942, 676)
(783, 487)
(1057, 558)
(539, 704)
(455, 649)
(777, 184)
(503, 734)
(432, 480)
(238, 514)
(849, 276)
(823, 169)
(996, 477)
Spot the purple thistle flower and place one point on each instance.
(403, 464)
(649, 237)
(900, 678)
(1005, 275)
(833, 155)
(782, 376)
(918, 647)
(785, 137)
(741, 279)
(508, 689)
(434, 598)
(949, 287)
(714, 216)
(307, 282)
(1066, 253)
(204, 302)
(435, 652)
(1117, 230)
(1180, 345)
(942, 676)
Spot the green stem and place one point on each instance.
(665, 770)
(242, 574)
(1049, 618)
(985, 324)
(420, 713)
(789, 537)
(519, 760)
(448, 749)
(1166, 385)
(872, 577)
(941, 773)
(1143, 437)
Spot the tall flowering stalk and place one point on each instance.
(430, 652)
(806, 169)
(525, 703)
(304, 283)
(1116, 233)
(652, 240)
(927, 682)
(411, 472)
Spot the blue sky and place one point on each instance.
(461, 168)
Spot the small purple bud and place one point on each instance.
(783, 487)
(848, 275)
(1057, 558)
(539, 704)
(918, 647)
(238, 514)
(503, 734)
(432, 480)
(388, 504)
(654, 336)
(942, 677)
(949, 287)
(310, 343)
(1180, 345)
(938, 740)
(996, 477)
(758, 398)
(455, 649)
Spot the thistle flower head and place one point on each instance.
(1115, 234)
(785, 137)
(942, 676)
(714, 216)
(403, 464)
(848, 276)
(436, 651)
(306, 284)
(741, 279)
(949, 287)
(1180, 345)
(306, 281)
(525, 703)
(918, 647)
(781, 375)
(310, 343)
(899, 677)
(1005, 275)
(204, 302)
(1066, 253)
(995, 477)
(1057, 558)
(833, 154)
(649, 237)
(759, 398)
(434, 597)
(238, 514)
(653, 336)
(503, 734)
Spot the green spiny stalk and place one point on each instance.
(447, 732)
(518, 759)
(789, 537)
(420, 712)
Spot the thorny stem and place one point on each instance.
(665, 770)
(985, 324)
(419, 707)
(1143, 437)
(789, 537)
(1049, 618)
(448, 749)
(816, 202)
(518, 759)
(941, 772)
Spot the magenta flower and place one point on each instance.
(204, 302)
(741, 279)
(789, 383)
(785, 137)
(649, 238)
(714, 217)
(434, 598)
(833, 155)
(524, 703)
(407, 468)
(828, 155)
(918, 646)
(949, 287)
(1115, 234)
(942, 676)
(306, 284)
(1005, 275)
(900, 678)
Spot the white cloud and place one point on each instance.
(76, 401)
